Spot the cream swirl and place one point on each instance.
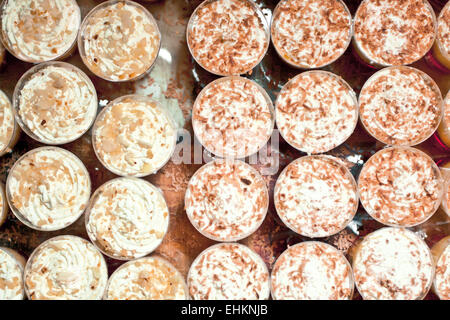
(149, 278)
(48, 188)
(228, 271)
(11, 277)
(57, 103)
(7, 122)
(119, 40)
(66, 268)
(40, 30)
(316, 111)
(400, 186)
(134, 136)
(127, 218)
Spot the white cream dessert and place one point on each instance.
(233, 117)
(127, 218)
(228, 271)
(66, 268)
(391, 32)
(316, 111)
(56, 103)
(149, 278)
(119, 40)
(316, 196)
(444, 127)
(311, 34)
(11, 275)
(226, 200)
(312, 270)
(400, 106)
(393, 264)
(40, 30)
(443, 30)
(400, 186)
(48, 188)
(134, 136)
(228, 37)
(7, 124)
(441, 254)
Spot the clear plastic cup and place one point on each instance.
(19, 261)
(14, 131)
(444, 127)
(441, 256)
(441, 52)
(4, 204)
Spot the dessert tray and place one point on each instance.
(175, 81)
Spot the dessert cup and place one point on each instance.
(316, 111)
(48, 188)
(149, 278)
(226, 200)
(445, 172)
(65, 268)
(233, 117)
(444, 127)
(11, 274)
(393, 264)
(312, 270)
(441, 47)
(400, 106)
(9, 130)
(134, 136)
(127, 218)
(441, 255)
(40, 30)
(228, 37)
(119, 41)
(228, 271)
(311, 34)
(55, 103)
(4, 208)
(393, 33)
(316, 196)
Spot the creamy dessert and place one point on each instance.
(393, 264)
(400, 186)
(228, 37)
(9, 132)
(226, 200)
(66, 268)
(228, 271)
(400, 106)
(312, 270)
(444, 127)
(311, 34)
(441, 255)
(134, 136)
(48, 188)
(11, 275)
(55, 103)
(441, 47)
(127, 218)
(40, 30)
(393, 33)
(316, 196)
(4, 208)
(233, 117)
(119, 40)
(149, 278)
(316, 111)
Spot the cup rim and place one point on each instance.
(16, 129)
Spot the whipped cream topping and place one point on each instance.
(311, 34)
(66, 268)
(393, 264)
(48, 188)
(316, 111)
(40, 30)
(119, 40)
(312, 271)
(6, 122)
(226, 200)
(228, 37)
(442, 274)
(11, 277)
(57, 103)
(316, 196)
(148, 278)
(391, 32)
(127, 218)
(443, 30)
(228, 271)
(233, 117)
(400, 186)
(400, 106)
(134, 136)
